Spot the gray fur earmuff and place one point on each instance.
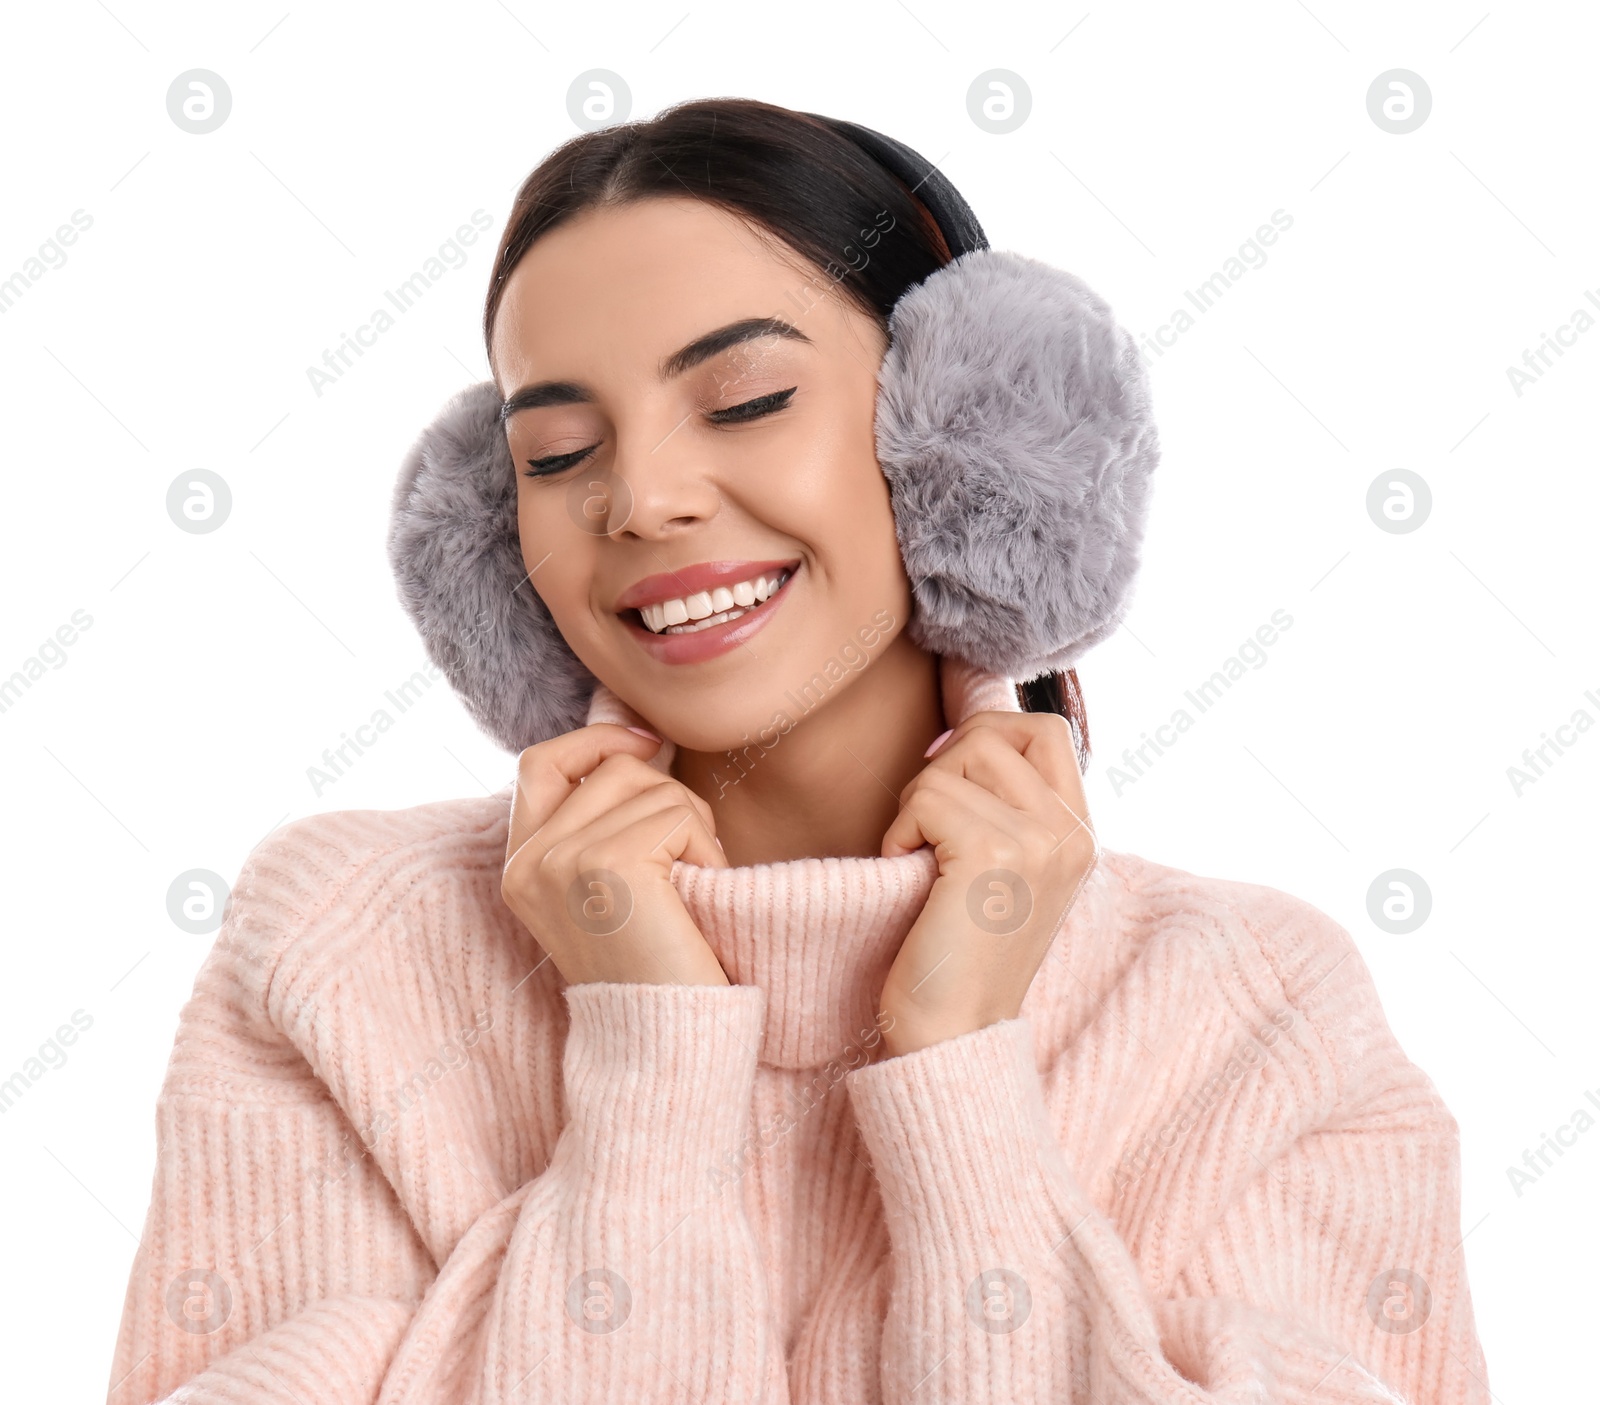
(457, 561)
(1013, 425)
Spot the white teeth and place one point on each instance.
(706, 607)
(694, 626)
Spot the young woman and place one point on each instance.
(782, 1033)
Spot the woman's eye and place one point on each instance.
(754, 409)
(734, 414)
(540, 468)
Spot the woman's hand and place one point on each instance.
(1002, 803)
(594, 832)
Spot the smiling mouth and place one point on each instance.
(743, 598)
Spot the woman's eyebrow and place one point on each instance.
(705, 347)
(702, 348)
(534, 397)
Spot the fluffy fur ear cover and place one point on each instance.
(458, 570)
(1013, 426)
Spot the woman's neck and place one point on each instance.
(830, 785)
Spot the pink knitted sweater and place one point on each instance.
(398, 1161)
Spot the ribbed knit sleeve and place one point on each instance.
(284, 1261)
(1333, 1277)
(276, 1264)
(624, 1272)
(265, 1276)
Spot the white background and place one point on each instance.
(1376, 337)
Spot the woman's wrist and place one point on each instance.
(908, 1036)
(907, 1028)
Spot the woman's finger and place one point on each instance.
(1042, 739)
(548, 772)
(679, 829)
(947, 807)
(616, 779)
(987, 755)
(992, 755)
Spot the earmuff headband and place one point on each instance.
(960, 227)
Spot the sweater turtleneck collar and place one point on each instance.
(817, 934)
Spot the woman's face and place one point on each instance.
(654, 471)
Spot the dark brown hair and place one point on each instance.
(786, 173)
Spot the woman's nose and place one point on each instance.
(655, 488)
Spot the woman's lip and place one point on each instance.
(702, 644)
(692, 580)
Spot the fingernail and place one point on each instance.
(938, 741)
(641, 731)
